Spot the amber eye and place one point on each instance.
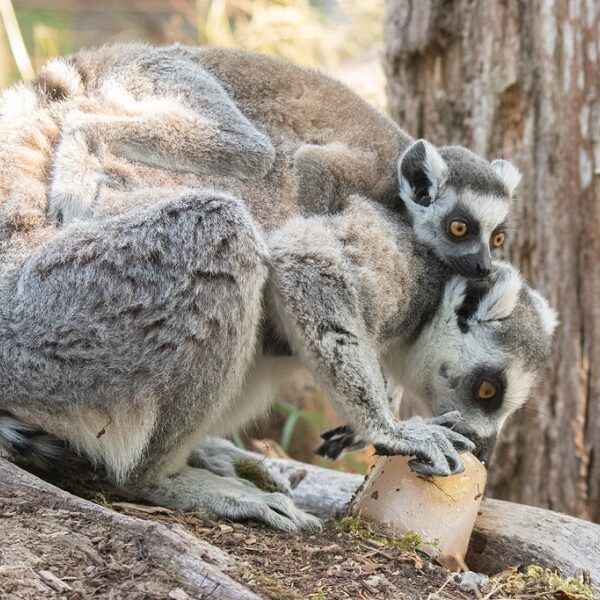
(458, 228)
(498, 239)
(486, 390)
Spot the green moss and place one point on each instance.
(536, 581)
(269, 586)
(252, 470)
(357, 527)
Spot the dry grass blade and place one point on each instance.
(15, 40)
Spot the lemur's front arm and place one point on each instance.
(317, 304)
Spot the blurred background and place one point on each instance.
(514, 79)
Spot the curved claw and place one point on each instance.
(335, 431)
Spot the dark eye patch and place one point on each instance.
(500, 228)
(461, 214)
(494, 376)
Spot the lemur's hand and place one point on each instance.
(338, 440)
(435, 446)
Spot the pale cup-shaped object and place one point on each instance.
(441, 510)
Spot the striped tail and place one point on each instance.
(26, 445)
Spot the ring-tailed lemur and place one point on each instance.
(225, 112)
(135, 338)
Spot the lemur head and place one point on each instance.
(483, 351)
(458, 202)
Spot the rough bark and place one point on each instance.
(521, 80)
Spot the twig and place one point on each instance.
(435, 594)
(15, 40)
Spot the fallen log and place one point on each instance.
(506, 534)
(43, 525)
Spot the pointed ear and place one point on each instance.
(510, 175)
(420, 169)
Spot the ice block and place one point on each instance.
(441, 510)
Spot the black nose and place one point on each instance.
(484, 446)
(482, 270)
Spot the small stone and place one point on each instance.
(178, 594)
(374, 581)
(250, 541)
(470, 581)
(225, 528)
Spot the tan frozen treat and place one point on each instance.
(441, 510)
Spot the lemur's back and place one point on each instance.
(292, 105)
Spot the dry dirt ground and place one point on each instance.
(49, 552)
(52, 550)
(331, 565)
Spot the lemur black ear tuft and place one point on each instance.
(510, 175)
(421, 170)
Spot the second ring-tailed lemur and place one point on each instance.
(136, 338)
(238, 114)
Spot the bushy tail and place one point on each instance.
(25, 445)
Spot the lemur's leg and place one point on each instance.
(128, 337)
(209, 137)
(228, 497)
(325, 175)
(319, 310)
(223, 458)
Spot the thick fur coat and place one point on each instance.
(168, 314)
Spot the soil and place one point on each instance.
(50, 550)
(330, 565)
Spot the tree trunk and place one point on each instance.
(520, 80)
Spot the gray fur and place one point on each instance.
(135, 336)
(145, 328)
(335, 320)
(229, 113)
(467, 171)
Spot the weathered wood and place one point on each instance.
(201, 567)
(505, 533)
(518, 534)
(520, 80)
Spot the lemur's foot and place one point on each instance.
(243, 502)
(339, 440)
(230, 498)
(76, 177)
(434, 444)
(223, 458)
